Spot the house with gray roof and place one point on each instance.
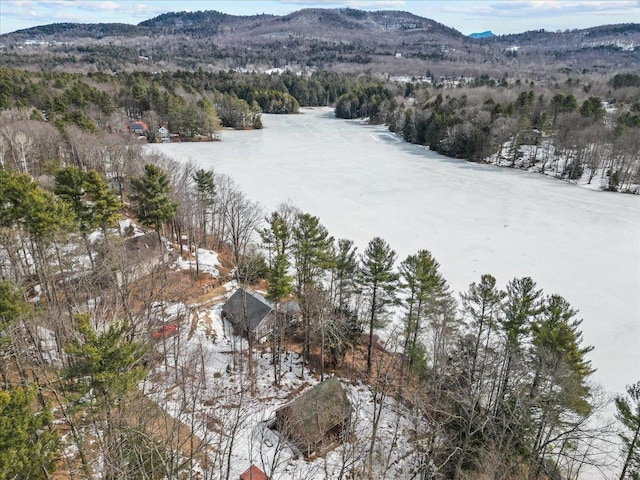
(249, 312)
(140, 256)
(315, 421)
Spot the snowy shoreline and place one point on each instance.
(474, 218)
(528, 158)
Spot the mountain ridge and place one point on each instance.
(485, 34)
(341, 39)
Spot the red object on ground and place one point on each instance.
(253, 473)
(165, 330)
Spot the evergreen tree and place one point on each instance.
(471, 394)
(107, 364)
(481, 307)
(522, 303)
(70, 186)
(90, 198)
(345, 264)
(31, 208)
(104, 205)
(37, 217)
(280, 282)
(378, 282)
(428, 298)
(559, 393)
(311, 248)
(628, 413)
(12, 305)
(592, 107)
(27, 445)
(277, 237)
(12, 309)
(205, 194)
(151, 198)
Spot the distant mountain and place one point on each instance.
(383, 42)
(486, 34)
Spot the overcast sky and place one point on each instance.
(467, 16)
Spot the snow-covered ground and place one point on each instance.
(201, 383)
(362, 182)
(543, 158)
(206, 261)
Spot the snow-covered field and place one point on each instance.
(361, 181)
(198, 382)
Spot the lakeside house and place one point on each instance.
(138, 127)
(315, 421)
(251, 313)
(141, 255)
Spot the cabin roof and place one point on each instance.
(310, 418)
(246, 307)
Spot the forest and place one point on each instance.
(583, 130)
(107, 365)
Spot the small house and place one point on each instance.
(164, 134)
(530, 137)
(251, 313)
(138, 127)
(315, 420)
(253, 473)
(141, 255)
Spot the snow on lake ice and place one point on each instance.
(361, 182)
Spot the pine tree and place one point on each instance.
(481, 306)
(311, 249)
(70, 186)
(12, 306)
(107, 364)
(151, 198)
(278, 235)
(345, 264)
(628, 413)
(378, 282)
(37, 217)
(205, 194)
(104, 204)
(280, 282)
(429, 299)
(12, 309)
(27, 444)
(559, 393)
(522, 303)
(90, 198)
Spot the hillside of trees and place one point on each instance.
(114, 360)
(584, 129)
(340, 40)
(574, 130)
(494, 383)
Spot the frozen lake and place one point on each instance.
(362, 181)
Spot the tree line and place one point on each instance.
(570, 131)
(185, 101)
(500, 376)
(579, 129)
(498, 379)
